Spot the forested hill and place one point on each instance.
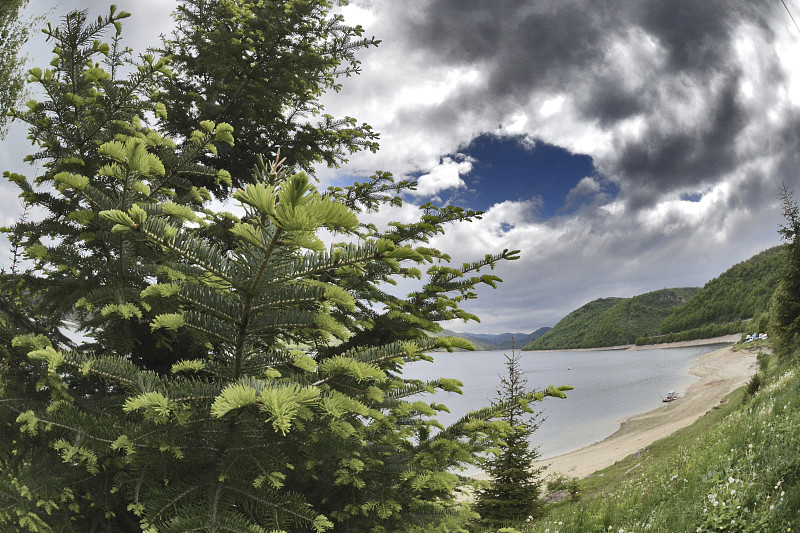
(736, 299)
(613, 321)
(500, 341)
(740, 293)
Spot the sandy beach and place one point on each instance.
(720, 373)
(679, 344)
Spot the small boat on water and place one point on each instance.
(671, 395)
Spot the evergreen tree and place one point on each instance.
(785, 304)
(262, 66)
(92, 107)
(514, 486)
(197, 403)
(13, 34)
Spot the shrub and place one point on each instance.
(754, 384)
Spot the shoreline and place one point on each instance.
(725, 339)
(721, 372)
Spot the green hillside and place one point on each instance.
(613, 321)
(571, 330)
(740, 293)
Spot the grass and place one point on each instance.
(600, 482)
(737, 469)
(760, 344)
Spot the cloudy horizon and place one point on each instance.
(623, 146)
(688, 114)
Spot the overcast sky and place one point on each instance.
(623, 146)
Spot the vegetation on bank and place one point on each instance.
(613, 321)
(735, 470)
(513, 492)
(706, 332)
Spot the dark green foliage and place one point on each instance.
(785, 304)
(742, 292)
(196, 402)
(13, 34)
(754, 384)
(763, 362)
(570, 330)
(640, 315)
(706, 332)
(90, 124)
(569, 484)
(514, 489)
(613, 321)
(736, 301)
(261, 67)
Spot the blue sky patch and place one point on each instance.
(691, 197)
(505, 169)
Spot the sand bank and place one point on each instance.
(720, 373)
(697, 342)
(726, 339)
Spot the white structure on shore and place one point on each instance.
(755, 337)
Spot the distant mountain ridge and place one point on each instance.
(499, 341)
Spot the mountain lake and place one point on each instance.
(610, 385)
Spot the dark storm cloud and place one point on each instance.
(609, 103)
(525, 48)
(696, 33)
(672, 158)
(786, 140)
(521, 44)
(545, 43)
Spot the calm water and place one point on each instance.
(609, 386)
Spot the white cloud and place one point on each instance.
(551, 106)
(585, 189)
(662, 107)
(446, 175)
